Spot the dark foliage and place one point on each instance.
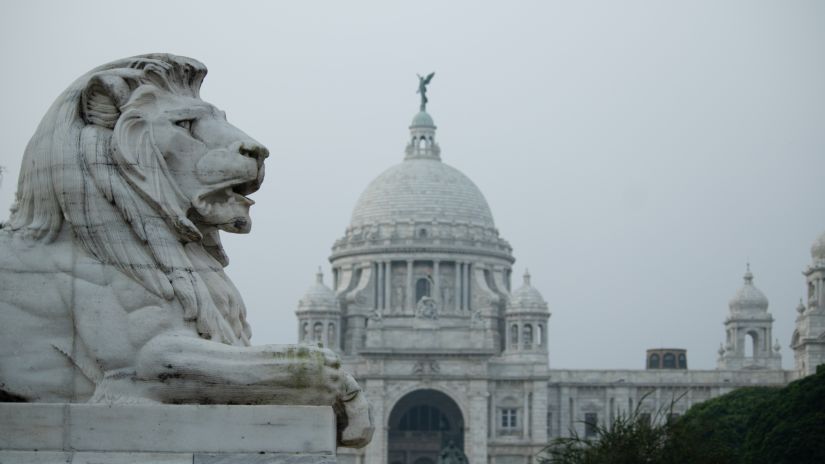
(630, 439)
(749, 425)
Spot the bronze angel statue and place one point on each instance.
(422, 89)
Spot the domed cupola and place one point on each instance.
(526, 321)
(422, 144)
(818, 249)
(815, 274)
(748, 331)
(748, 298)
(526, 298)
(319, 315)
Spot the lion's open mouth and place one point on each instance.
(235, 194)
(224, 198)
(227, 206)
(246, 188)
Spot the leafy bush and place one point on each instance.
(748, 425)
(631, 439)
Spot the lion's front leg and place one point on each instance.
(180, 368)
(355, 425)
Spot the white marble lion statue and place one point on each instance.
(112, 286)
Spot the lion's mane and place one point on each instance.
(97, 168)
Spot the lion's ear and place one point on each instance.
(102, 98)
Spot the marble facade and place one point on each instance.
(448, 349)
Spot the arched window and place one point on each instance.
(422, 142)
(318, 332)
(653, 362)
(331, 335)
(305, 332)
(752, 347)
(422, 233)
(669, 361)
(682, 361)
(514, 336)
(422, 289)
(528, 336)
(540, 335)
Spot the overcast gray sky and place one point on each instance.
(635, 154)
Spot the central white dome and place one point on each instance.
(422, 190)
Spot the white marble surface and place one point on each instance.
(167, 428)
(72, 457)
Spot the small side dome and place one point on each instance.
(818, 248)
(422, 119)
(526, 298)
(748, 297)
(800, 308)
(318, 297)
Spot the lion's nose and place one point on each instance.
(254, 150)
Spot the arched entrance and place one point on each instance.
(421, 424)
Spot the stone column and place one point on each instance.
(468, 278)
(387, 285)
(565, 419)
(492, 415)
(377, 293)
(379, 284)
(540, 412)
(475, 437)
(377, 449)
(606, 416)
(436, 283)
(457, 285)
(525, 420)
(463, 286)
(410, 304)
(658, 398)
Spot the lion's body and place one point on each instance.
(112, 286)
(56, 299)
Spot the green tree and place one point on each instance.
(630, 439)
(748, 425)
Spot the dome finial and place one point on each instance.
(800, 308)
(526, 276)
(748, 274)
(319, 276)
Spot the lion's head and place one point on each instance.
(146, 173)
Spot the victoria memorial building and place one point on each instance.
(451, 347)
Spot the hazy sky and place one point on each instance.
(634, 154)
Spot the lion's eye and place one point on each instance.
(185, 123)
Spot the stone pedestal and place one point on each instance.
(52, 433)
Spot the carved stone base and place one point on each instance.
(40, 433)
